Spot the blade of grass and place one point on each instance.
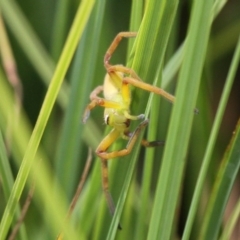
(34, 49)
(175, 62)
(211, 143)
(68, 51)
(227, 231)
(59, 27)
(20, 137)
(153, 28)
(7, 180)
(81, 81)
(220, 194)
(135, 20)
(222, 188)
(5, 170)
(171, 172)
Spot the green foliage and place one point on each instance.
(179, 191)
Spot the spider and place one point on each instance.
(116, 101)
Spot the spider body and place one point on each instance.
(112, 116)
(116, 101)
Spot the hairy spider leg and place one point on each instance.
(97, 101)
(103, 146)
(114, 68)
(145, 142)
(105, 156)
(120, 68)
(101, 150)
(135, 80)
(149, 88)
(114, 45)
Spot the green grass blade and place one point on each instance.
(60, 27)
(224, 181)
(75, 33)
(223, 185)
(135, 20)
(168, 187)
(5, 170)
(175, 62)
(233, 219)
(7, 180)
(211, 143)
(153, 28)
(81, 82)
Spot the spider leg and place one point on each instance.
(95, 92)
(105, 156)
(136, 82)
(151, 88)
(132, 140)
(145, 142)
(120, 68)
(103, 146)
(114, 45)
(99, 102)
(148, 87)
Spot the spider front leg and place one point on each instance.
(97, 101)
(149, 88)
(114, 45)
(114, 68)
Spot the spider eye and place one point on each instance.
(106, 119)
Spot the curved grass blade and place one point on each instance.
(70, 46)
(7, 180)
(211, 143)
(171, 172)
(153, 28)
(223, 184)
(82, 76)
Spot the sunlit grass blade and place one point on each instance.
(171, 173)
(135, 20)
(54, 202)
(82, 76)
(60, 27)
(34, 49)
(74, 36)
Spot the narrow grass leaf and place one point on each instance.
(232, 221)
(81, 82)
(230, 165)
(211, 143)
(154, 26)
(76, 31)
(171, 173)
(222, 187)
